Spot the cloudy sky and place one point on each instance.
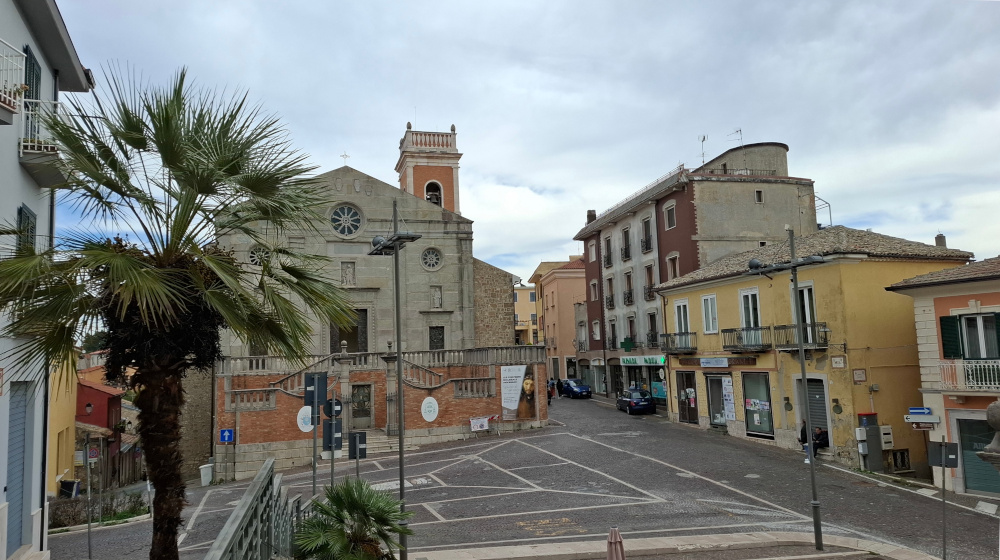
(892, 107)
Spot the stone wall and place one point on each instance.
(196, 423)
(494, 305)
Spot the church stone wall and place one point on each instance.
(494, 305)
(196, 423)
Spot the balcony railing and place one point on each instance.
(970, 375)
(582, 346)
(747, 339)
(652, 339)
(814, 336)
(607, 260)
(646, 244)
(612, 344)
(648, 294)
(627, 297)
(626, 253)
(609, 302)
(11, 76)
(35, 136)
(719, 171)
(679, 343)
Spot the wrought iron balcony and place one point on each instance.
(646, 244)
(648, 294)
(970, 375)
(679, 343)
(607, 261)
(626, 252)
(612, 344)
(582, 346)
(814, 336)
(609, 302)
(747, 339)
(652, 339)
(627, 297)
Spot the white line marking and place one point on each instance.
(378, 465)
(525, 491)
(539, 466)
(433, 511)
(605, 475)
(505, 471)
(194, 516)
(537, 512)
(439, 481)
(195, 546)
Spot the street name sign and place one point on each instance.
(924, 418)
(922, 426)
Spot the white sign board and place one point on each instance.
(304, 419)
(479, 424)
(923, 418)
(429, 409)
(728, 400)
(511, 381)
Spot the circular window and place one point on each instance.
(431, 259)
(346, 220)
(259, 256)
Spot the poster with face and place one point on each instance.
(512, 382)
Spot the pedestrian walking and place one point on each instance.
(551, 389)
(559, 387)
(804, 439)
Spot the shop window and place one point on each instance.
(757, 404)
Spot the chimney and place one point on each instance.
(940, 240)
(591, 216)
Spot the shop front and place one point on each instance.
(757, 405)
(593, 373)
(721, 402)
(649, 373)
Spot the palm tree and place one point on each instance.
(170, 169)
(355, 522)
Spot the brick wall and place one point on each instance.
(494, 305)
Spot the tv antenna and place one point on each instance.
(702, 139)
(739, 131)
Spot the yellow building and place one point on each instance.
(62, 424)
(525, 316)
(732, 344)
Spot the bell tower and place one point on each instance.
(428, 166)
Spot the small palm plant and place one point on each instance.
(355, 522)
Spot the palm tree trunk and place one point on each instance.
(159, 400)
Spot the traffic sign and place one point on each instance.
(226, 436)
(922, 426)
(304, 419)
(925, 418)
(92, 453)
(934, 454)
(332, 408)
(920, 410)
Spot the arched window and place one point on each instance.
(432, 192)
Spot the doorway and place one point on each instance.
(980, 476)
(687, 404)
(816, 393)
(716, 401)
(361, 407)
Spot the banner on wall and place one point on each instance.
(517, 393)
(729, 402)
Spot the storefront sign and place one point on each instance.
(733, 361)
(643, 360)
(659, 391)
(728, 401)
(714, 362)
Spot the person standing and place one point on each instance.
(551, 389)
(804, 439)
(559, 387)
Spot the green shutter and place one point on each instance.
(996, 331)
(951, 338)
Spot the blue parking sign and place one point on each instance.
(226, 436)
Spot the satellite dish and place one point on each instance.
(755, 264)
(378, 241)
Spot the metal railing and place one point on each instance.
(814, 336)
(627, 297)
(609, 302)
(747, 339)
(35, 136)
(970, 375)
(11, 76)
(643, 191)
(626, 252)
(652, 339)
(612, 344)
(607, 260)
(648, 294)
(743, 171)
(679, 343)
(582, 346)
(646, 244)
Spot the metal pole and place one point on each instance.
(333, 435)
(399, 373)
(944, 505)
(357, 454)
(817, 527)
(100, 480)
(313, 414)
(86, 458)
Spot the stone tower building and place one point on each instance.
(428, 167)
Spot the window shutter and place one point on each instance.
(951, 338)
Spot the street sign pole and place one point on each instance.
(314, 417)
(944, 504)
(86, 457)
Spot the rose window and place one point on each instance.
(346, 220)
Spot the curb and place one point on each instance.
(669, 545)
(104, 525)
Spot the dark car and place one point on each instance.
(574, 388)
(633, 401)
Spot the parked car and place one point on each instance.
(633, 401)
(574, 388)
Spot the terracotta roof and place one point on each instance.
(578, 263)
(836, 240)
(114, 392)
(988, 269)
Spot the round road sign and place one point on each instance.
(304, 419)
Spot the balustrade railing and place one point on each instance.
(648, 294)
(747, 339)
(11, 76)
(244, 400)
(609, 302)
(646, 244)
(582, 345)
(626, 252)
(474, 388)
(679, 343)
(35, 135)
(814, 336)
(628, 298)
(970, 375)
(420, 376)
(744, 171)
(607, 261)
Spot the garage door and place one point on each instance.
(15, 464)
(975, 435)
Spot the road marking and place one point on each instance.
(929, 492)
(448, 500)
(986, 507)
(194, 516)
(560, 510)
(696, 475)
(619, 481)
(433, 511)
(507, 472)
(751, 475)
(552, 527)
(380, 467)
(623, 434)
(195, 546)
(539, 466)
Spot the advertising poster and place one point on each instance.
(727, 398)
(512, 394)
(659, 392)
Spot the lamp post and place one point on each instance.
(757, 268)
(391, 246)
(344, 359)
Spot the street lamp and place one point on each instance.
(757, 268)
(391, 246)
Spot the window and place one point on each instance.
(431, 259)
(762, 243)
(531, 297)
(595, 332)
(681, 319)
(593, 291)
(432, 192)
(673, 267)
(534, 318)
(626, 239)
(670, 216)
(346, 220)
(516, 319)
(631, 328)
(653, 328)
(26, 226)
(611, 286)
(628, 281)
(806, 304)
(710, 315)
(749, 309)
(355, 335)
(436, 338)
(515, 296)
(758, 196)
(607, 246)
(614, 335)
(647, 235)
(592, 251)
(973, 337)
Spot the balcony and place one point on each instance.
(626, 253)
(627, 297)
(11, 81)
(747, 339)
(609, 302)
(652, 339)
(816, 336)
(612, 344)
(37, 147)
(607, 260)
(550, 342)
(970, 375)
(646, 244)
(648, 294)
(582, 346)
(679, 343)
